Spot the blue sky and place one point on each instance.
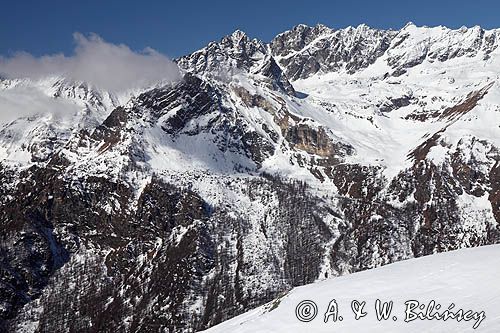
(179, 27)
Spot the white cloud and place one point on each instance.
(23, 101)
(108, 66)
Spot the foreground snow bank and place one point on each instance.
(462, 286)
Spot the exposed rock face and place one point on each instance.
(304, 50)
(237, 53)
(494, 195)
(172, 252)
(196, 201)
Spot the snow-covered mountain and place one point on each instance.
(465, 278)
(268, 166)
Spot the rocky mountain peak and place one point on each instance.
(239, 44)
(305, 51)
(297, 38)
(237, 37)
(237, 53)
(413, 45)
(408, 25)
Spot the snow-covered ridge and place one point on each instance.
(466, 278)
(305, 51)
(39, 116)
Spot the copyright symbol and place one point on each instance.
(306, 311)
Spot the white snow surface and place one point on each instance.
(468, 278)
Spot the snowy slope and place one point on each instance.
(468, 278)
(40, 116)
